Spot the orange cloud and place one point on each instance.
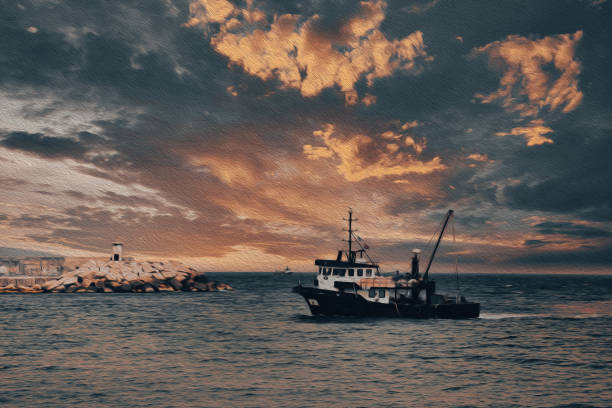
(410, 125)
(299, 56)
(533, 133)
(390, 160)
(527, 86)
(478, 157)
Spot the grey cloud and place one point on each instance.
(52, 147)
(571, 229)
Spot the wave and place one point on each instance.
(497, 316)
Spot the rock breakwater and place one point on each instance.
(124, 276)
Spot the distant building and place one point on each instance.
(31, 266)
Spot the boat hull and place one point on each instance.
(330, 303)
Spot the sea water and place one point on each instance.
(541, 341)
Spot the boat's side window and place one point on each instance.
(372, 293)
(359, 272)
(320, 269)
(381, 293)
(325, 271)
(342, 272)
(351, 272)
(368, 272)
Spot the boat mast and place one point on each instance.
(350, 231)
(349, 256)
(448, 215)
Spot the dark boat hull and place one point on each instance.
(329, 303)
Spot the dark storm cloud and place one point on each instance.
(582, 257)
(55, 147)
(534, 242)
(571, 176)
(571, 229)
(38, 58)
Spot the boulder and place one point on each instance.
(201, 286)
(223, 286)
(126, 287)
(169, 274)
(114, 284)
(147, 267)
(69, 280)
(130, 276)
(158, 275)
(50, 285)
(176, 284)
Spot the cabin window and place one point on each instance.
(359, 272)
(351, 272)
(325, 271)
(320, 269)
(340, 272)
(372, 293)
(381, 293)
(368, 272)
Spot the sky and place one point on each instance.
(235, 135)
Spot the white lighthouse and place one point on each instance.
(117, 251)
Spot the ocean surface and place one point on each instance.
(541, 341)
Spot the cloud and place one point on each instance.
(478, 157)
(571, 229)
(534, 133)
(300, 54)
(420, 8)
(410, 125)
(534, 243)
(361, 158)
(43, 145)
(84, 146)
(537, 74)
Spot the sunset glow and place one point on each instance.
(235, 135)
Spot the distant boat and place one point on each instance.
(352, 285)
(286, 271)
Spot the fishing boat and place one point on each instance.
(285, 271)
(353, 285)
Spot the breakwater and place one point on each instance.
(123, 276)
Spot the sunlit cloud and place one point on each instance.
(351, 153)
(292, 49)
(534, 133)
(478, 157)
(537, 74)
